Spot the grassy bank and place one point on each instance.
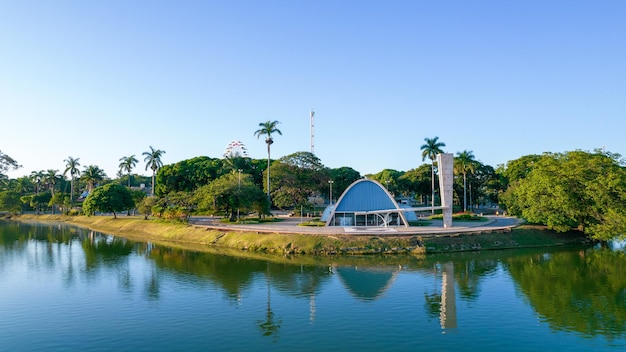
(205, 239)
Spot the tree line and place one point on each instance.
(578, 190)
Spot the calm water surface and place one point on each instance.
(66, 289)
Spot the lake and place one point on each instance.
(64, 288)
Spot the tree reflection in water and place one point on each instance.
(269, 326)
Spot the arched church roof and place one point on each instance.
(365, 195)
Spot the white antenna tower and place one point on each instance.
(312, 132)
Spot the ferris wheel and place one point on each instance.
(236, 149)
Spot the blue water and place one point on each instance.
(67, 289)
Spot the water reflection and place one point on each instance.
(582, 291)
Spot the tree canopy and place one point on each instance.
(111, 198)
(7, 163)
(581, 190)
(297, 177)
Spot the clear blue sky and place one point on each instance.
(99, 80)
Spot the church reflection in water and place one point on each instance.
(371, 283)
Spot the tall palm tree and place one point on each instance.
(92, 175)
(267, 128)
(153, 161)
(464, 163)
(127, 163)
(430, 151)
(50, 178)
(71, 165)
(37, 178)
(22, 185)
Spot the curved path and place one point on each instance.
(289, 225)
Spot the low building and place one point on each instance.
(367, 203)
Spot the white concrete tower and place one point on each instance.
(445, 164)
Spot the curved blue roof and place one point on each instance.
(365, 195)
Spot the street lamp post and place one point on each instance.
(330, 198)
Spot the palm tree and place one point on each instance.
(127, 163)
(464, 163)
(267, 128)
(430, 150)
(37, 178)
(153, 161)
(71, 165)
(92, 175)
(50, 178)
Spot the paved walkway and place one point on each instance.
(289, 225)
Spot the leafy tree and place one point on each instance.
(179, 206)
(145, 206)
(111, 198)
(153, 161)
(415, 181)
(71, 166)
(92, 175)
(188, 175)
(465, 162)
(267, 128)
(487, 185)
(301, 176)
(37, 178)
(59, 199)
(21, 185)
(127, 164)
(229, 193)
(137, 196)
(39, 200)
(430, 149)
(10, 201)
(575, 189)
(342, 178)
(388, 178)
(7, 163)
(51, 177)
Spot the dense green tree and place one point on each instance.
(229, 193)
(111, 198)
(71, 166)
(22, 185)
(127, 164)
(188, 175)
(145, 206)
(388, 178)
(581, 190)
(7, 163)
(267, 128)
(137, 196)
(10, 201)
(92, 175)
(342, 178)
(298, 176)
(37, 178)
(59, 200)
(430, 149)
(519, 168)
(153, 161)
(486, 185)
(415, 181)
(51, 178)
(465, 162)
(37, 201)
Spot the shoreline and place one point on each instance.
(287, 239)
